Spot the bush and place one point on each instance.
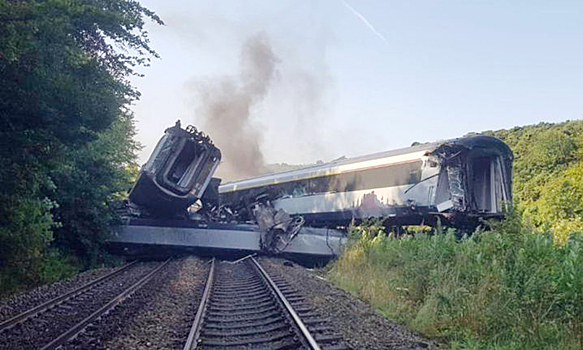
(25, 232)
(57, 265)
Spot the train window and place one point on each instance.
(182, 169)
(159, 154)
(205, 167)
(483, 183)
(387, 176)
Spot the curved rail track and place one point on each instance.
(54, 322)
(242, 307)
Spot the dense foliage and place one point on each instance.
(65, 130)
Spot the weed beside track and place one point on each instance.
(507, 288)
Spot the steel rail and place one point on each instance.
(50, 303)
(302, 327)
(194, 334)
(73, 331)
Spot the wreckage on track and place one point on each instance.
(177, 173)
(303, 212)
(174, 204)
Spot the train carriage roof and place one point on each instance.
(351, 164)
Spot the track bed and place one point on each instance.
(241, 313)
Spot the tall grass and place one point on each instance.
(505, 288)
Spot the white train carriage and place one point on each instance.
(458, 180)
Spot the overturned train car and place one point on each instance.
(456, 182)
(177, 173)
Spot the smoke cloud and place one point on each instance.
(225, 106)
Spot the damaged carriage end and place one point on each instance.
(475, 176)
(177, 173)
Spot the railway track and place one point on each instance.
(242, 307)
(56, 321)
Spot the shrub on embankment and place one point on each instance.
(506, 288)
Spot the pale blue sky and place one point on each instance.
(446, 68)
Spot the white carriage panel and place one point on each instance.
(308, 173)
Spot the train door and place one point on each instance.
(487, 184)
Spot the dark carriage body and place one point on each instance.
(177, 173)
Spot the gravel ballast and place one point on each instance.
(360, 325)
(163, 322)
(19, 303)
(39, 330)
(159, 315)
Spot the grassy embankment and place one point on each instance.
(507, 288)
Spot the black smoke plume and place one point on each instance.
(226, 106)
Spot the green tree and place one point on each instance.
(64, 69)
(89, 182)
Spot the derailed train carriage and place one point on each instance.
(297, 213)
(456, 182)
(178, 172)
(174, 201)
